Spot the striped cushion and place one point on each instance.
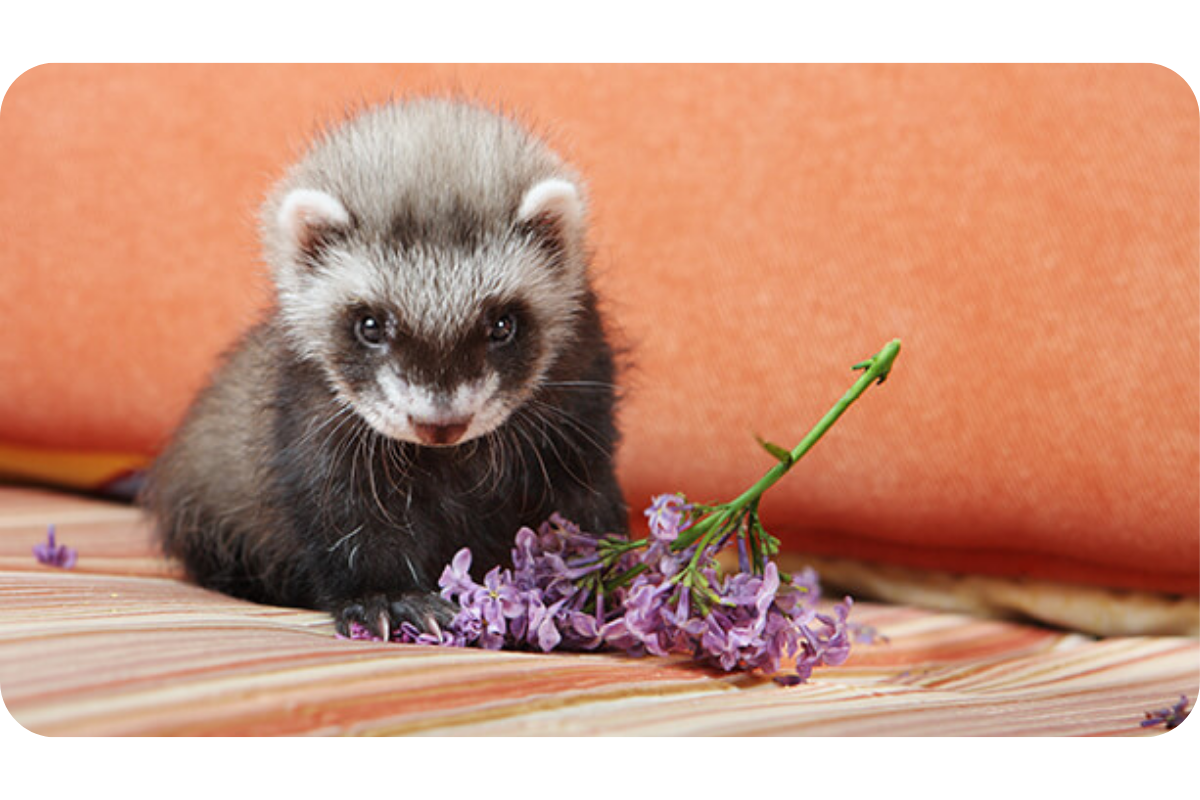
(120, 645)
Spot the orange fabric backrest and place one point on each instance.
(1030, 232)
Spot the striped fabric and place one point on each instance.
(119, 646)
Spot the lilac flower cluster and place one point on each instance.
(542, 603)
(743, 621)
(573, 591)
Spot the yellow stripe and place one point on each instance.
(78, 470)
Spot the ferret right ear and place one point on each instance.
(553, 211)
(308, 217)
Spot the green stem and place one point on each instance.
(875, 369)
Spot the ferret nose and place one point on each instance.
(440, 432)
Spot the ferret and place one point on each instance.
(433, 374)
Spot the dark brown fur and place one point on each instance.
(261, 490)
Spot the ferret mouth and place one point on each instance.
(415, 414)
(440, 432)
(454, 431)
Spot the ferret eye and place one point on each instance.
(369, 330)
(503, 329)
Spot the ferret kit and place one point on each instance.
(433, 374)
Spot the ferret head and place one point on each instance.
(430, 258)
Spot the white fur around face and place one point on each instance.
(400, 403)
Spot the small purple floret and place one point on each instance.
(54, 555)
(1169, 718)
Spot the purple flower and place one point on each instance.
(1169, 718)
(581, 630)
(54, 555)
(468, 625)
(667, 516)
(645, 607)
(747, 629)
(543, 632)
(526, 552)
(456, 578)
(497, 600)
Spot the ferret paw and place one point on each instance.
(382, 614)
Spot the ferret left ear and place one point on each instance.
(308, 218)
(553, 211)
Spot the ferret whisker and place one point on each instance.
(486, 475)
(330, 469)
(578, 426)
(396, 456)
(387, 516)
(528, 436)
(344, 408)
(539, 421)
(499, 457)
(596, 385)
(342, 451)
(510, 452)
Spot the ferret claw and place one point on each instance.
(382, 614)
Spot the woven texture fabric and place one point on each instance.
(120, 646)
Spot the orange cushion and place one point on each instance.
(1030, 232)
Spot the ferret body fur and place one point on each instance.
(433, 375)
